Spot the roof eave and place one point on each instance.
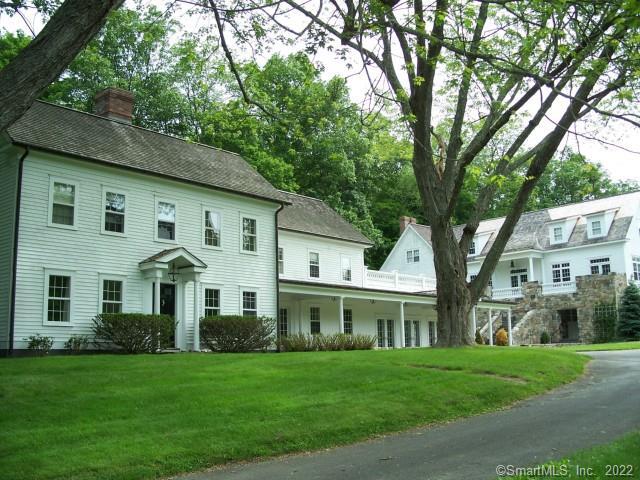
(287, 229)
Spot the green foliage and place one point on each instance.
(604, 322)
(10, 46)
(134, 332)
(300, 342)
(39, 344)
(545, 338)
(236, 333)
(479, 339)
(629, 313)
(76, 343)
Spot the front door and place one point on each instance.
(569, 325)
(168, 304)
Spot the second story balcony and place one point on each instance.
(397, 281)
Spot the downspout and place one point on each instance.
(277, 281)
(16, 229)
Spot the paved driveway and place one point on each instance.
(598, 408)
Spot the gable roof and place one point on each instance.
(532, 232)
(313, 216)
(83, 135)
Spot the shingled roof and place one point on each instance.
(313, 216)
(83, 135)
(532, 230)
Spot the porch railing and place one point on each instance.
(401, 282)
(511, 292)
(558, 287)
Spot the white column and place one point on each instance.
(474, 321)
(509, 327)
(490, 327)
(532, 275)
(401, 343)
(156, 296)
(196, 315)
(183, 316)
(341, 313)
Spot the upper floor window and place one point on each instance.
(314, 320)
(561, 272)
(346, 269)
(636, 268)
(413, 256)
(250, 304)
(112, 292)
(596, 228)
(212, 228)
(519, 276)
(314, 264)
(280, 260)
(166, 217)
(347, 316)
(58, 298)
(211, 302)
(114, 212)
(472, 248)
(600, 266)
(558, 234)
(63, 203)
(249, 235)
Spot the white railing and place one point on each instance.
(559, 287)
(511, 292)
(400, 282)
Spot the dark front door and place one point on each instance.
(168, 304)
(569, 325)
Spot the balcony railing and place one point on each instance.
(502, 293)
(559, 287)
(400, 282)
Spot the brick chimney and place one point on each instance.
(115, 104)
(404, 221)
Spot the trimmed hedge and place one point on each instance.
(300, 342)
(236, 333)
(134, 332)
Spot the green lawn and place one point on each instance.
(117, 416)
(595, 347)
(619, 459)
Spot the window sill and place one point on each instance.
(163, 240)
(62, 227)
(46, 323)
(248, 252)
(113, 234)
(211, 247)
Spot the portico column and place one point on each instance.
(509, 327)
(196, 314)
(474, 321)
(402, 342)
(532, 275)
(490, 327)
(341, 307)
(156, 296)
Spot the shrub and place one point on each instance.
(39, 344)
(300, 342)
(134, 332)
(76, 343)
(235, 333)
(629, 313)
(502, 338)
(545, 338)
(479, 339)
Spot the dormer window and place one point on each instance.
(596, 228)
(557, 234)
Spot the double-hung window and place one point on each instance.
(472, 248)
(249, 304)
(112, 294)
(280, 260)
(596, 228)
(314, 265)
(58, 289)
(63, 201)
(346, 269)
(558, 234)
(114, 212)
(413, 256)
(166, 220)
(347, 316)
(636, 268)
(212, 228)
(561, 272)
(600, 266)
(211, 302)
(314, 320)
(249, 235)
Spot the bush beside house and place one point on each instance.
(134, 332)
(301, 342)
(236, 333)
(629, 313)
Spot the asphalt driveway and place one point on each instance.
(600, 407)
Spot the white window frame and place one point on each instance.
(472, 248)
(309, 252)
(342, 269)
(592, 228)
(598, 262)
(257, 234)
(555, 239)
(45, 311)
(76, 204)
(411, 255)
(213, 286)
(155, 220)
(312, 306)
(249, 290)
(344, 317)
(280, 260)
(561, 263)
(118, 191)
(205, 209)
(119, 278)
(635, 267)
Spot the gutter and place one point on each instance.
(16, 229)
(278, 280)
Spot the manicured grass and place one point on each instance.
(619, 459)
(596, 347)
(133, 417)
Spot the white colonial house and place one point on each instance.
(567, 255)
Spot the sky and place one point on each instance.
(618, 151)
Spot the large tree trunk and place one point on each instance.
(72, 26)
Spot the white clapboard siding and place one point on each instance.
(397, 259)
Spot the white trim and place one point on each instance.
(118, 191)
(242, 216)
(242, 289)
(206, 208)
(561, 262)
(214, 286)
(346, 257)
(309, 277)
(47, 272)
(76, 203)
(157, 200)
(110, 276)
